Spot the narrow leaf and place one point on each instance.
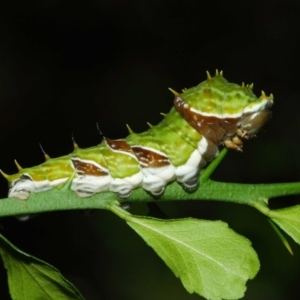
(209, 258)
(281, 236)
(31, 278)
(288, 219)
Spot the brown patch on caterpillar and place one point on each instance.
(228, 131)
(210, 152)
(118, 145)
(209, 126)
(84, 168)
(150, 159)
(213, 128)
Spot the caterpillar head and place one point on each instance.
(250, 124)
(223, 112)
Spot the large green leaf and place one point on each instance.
(209, 258)
(288, 219)
(31, 278)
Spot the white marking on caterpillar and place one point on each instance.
(23, 187)
(207, 150)
(202, 145)
(124, 186)
(87, 185)
(190, 169)
(216, 115)
(155, 179)
(251, 108)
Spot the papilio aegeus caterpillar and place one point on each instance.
(204, 117)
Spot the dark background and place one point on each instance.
(66, 65)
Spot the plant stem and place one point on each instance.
(255, 195)
(206, 174)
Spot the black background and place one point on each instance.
(67, 65)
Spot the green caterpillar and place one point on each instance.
(203, 118)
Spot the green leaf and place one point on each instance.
(31, 278)
(209, 258)
(288, 219)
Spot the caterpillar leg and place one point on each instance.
(192, 184)
(84, 193)
(124, 195)
(25, 218)
(158, 192)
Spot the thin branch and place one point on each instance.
(255, 195)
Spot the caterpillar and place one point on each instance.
(212, 114)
